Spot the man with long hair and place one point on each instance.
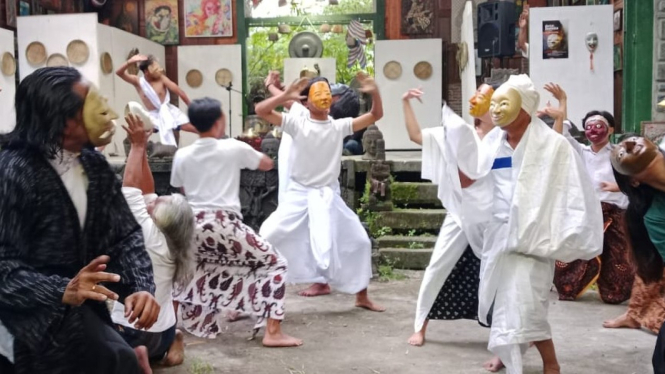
(68, 241)
(168, 229)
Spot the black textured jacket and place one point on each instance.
(42, 247)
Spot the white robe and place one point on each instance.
(553, 214)
(167, 116)
(467, 210)
(321, 238)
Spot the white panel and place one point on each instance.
(119, 45)
(208, 59)
(293, 66)
(8, 85)
(587, 90)
(408, 53)
(55, 32)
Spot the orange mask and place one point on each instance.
(479, 104)
(320, 96)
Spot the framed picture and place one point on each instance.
(654, 131)
(24, 8)
(208, 18)
(417, 17)
(10, 7)
(618, 20)
(161, 21)
(618, 58)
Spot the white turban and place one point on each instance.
(524, 86)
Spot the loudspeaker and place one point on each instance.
(496, 29)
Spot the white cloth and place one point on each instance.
(322, 240)
(525, 53)
(209, 172)
(524, 86)
(167, 116)
(284, 153)
(543, 211)
(163, 266)
(315, 150)
(467, 210)
(599, 167)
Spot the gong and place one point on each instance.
(306, 44)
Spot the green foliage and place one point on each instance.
(387, 270)
(264, 55)
(404, 192)
(416, 245)
(200, 367)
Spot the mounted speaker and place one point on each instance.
(496, 29)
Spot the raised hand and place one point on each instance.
(414, 93)
(137, 58)
(293, 91)
(556, 91)
(85, 285)
(551, 111)
(524, 17)
(367, 83)
(136, 133)
(142, 308)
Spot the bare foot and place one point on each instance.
(317, 289)
(235, 316)
(176, 353)
(369, 305)
(417, 339)
(144, 361)
(280, 340)
(493, 365)
(554, 369)
(621, 321)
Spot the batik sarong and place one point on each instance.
(236, 270)
(647, 303)
(458, 298)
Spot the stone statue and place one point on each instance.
(370, 138)
(270, 146)
(379, 179)
(381, 149)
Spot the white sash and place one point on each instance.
(166, 122)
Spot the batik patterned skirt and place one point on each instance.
(236, 270)
(647, 303)
(612, 270)
(458, 298)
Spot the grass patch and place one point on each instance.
(199, 366)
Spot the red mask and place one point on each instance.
(596, 129)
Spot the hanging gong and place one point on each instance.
(306, 44)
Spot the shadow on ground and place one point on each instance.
(340, 338)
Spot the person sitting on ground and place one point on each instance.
(168, 231)
(228, 252)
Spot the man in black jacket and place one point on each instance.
(68, 241)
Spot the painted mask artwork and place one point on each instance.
(320, 96)
(633, 155)
(479, 104)
(591, 45)
(505, 106)
(98, 118)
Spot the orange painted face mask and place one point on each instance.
(320, 96)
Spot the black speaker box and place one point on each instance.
(496, 29)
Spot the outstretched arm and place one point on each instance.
(376, 113)
(274, 86)
(412, 126)
(122, 70)
(559, 114)
(523, 36)
(266, 108)
(137, 170)
(177, 90)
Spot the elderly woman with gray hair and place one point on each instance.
(168, 230)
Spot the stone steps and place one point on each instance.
(415, 193)
(404, 258)
(409, 242)
(429, 220)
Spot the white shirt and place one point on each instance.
(599, 168)
(315, 151)
(209, 172)
(504, 186)
(163, 266)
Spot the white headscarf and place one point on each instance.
(524, 86)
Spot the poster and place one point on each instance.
(206, 18)
(161, 21)
(417, 17)
(555, 40)
(123, 15)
